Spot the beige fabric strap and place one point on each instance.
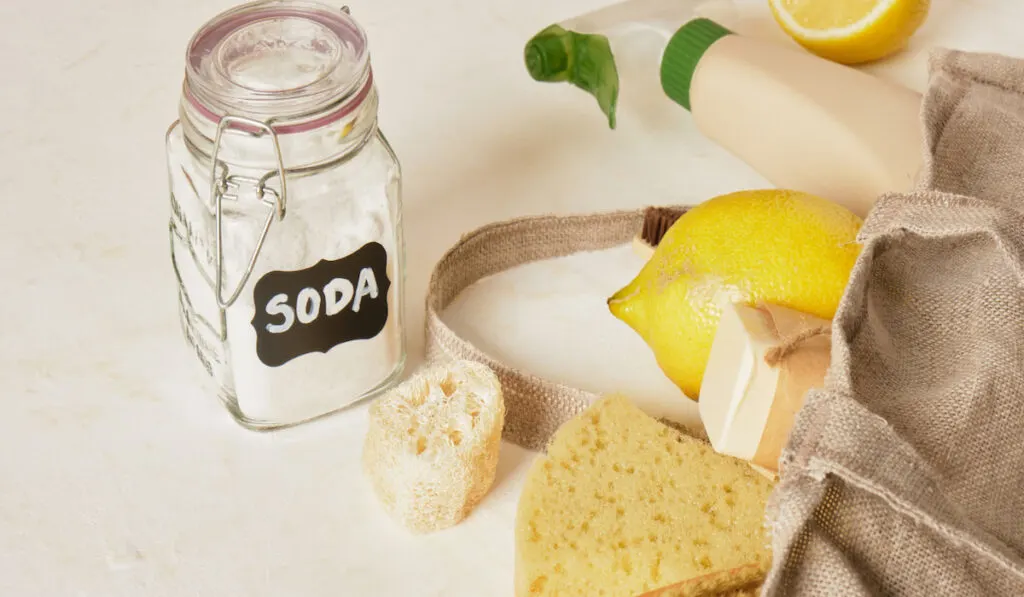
(535, 407)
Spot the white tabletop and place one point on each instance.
(118, 475)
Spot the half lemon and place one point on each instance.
(851, 31)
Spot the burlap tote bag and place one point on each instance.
(905, 475)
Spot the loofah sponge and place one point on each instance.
(431, 451)
(622, 505)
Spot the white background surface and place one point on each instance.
(118, 476)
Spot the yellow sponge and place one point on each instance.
(622, 505)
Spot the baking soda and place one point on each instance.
(326, 222)
(314, 382)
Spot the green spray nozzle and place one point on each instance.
(585, 60)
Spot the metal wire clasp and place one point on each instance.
(221, 185)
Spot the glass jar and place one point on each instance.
(286, 221)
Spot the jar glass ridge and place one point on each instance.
(285, 229)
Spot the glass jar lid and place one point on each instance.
(281, 61)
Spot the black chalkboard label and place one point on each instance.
(316, 309)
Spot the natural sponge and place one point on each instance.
(431, 451)
(622, 505)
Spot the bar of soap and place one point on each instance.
(763, 361)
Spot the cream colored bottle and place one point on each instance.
(802, 122)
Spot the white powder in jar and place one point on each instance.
(330, 226)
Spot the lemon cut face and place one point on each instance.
(781, 247)
(851, 31)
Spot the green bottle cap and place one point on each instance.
(682, 54)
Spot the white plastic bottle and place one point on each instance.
(801, 121)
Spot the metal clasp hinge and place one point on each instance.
(223, 186)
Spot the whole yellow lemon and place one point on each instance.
(781, 247)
